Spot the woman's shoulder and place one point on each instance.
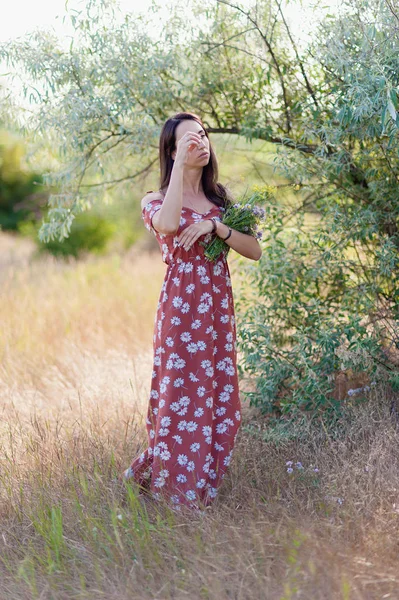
(150, 196)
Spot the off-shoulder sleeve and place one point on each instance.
(148, 212)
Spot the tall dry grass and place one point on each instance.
(75, 343)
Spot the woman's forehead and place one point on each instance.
(188, 125)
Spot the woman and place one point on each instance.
(194, 411)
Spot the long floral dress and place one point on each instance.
(194, 411)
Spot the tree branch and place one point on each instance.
(113, 182)
(391, 9)
(307, 83)
(306, 148)
(274, 60)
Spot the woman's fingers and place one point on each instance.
(190, 234)
(188, 240)
(191, 135)
(187, 143)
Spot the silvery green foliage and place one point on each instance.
(330, 108)
(99, 100)
(105, 96)
(354, 168)
(330, 294)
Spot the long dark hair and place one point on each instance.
(213, 190)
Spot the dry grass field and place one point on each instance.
(75, 348)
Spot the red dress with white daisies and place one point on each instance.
(194, 410)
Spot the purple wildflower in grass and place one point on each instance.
(355, 391)
(289, 463)
(290, 470)
(299, 465)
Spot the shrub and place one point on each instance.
(304, 320)
(90, 232)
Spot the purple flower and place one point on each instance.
(354, 391)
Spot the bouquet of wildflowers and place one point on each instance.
(244, 216)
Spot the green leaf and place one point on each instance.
(383, 114)
(394, 98)
(391, 109)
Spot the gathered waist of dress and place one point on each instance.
(187, 266)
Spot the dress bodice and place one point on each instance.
(168, 243)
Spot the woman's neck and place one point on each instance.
(192, 185)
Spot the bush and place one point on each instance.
(328, 299)
(90, 232)
(303, 321)
(22, 193)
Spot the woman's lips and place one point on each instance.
(203, 154)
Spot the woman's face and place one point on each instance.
(196, 156)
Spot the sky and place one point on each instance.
(23, 16)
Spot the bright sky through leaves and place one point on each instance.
(24, 16)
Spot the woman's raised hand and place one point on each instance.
(187, 143)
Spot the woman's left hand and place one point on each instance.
(191, 233)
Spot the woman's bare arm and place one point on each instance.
(243, 243)
(167, 218)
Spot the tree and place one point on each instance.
(330, 109)
(106, 96)
(330, 296)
